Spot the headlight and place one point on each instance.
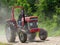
(37, 23)
(31, 24)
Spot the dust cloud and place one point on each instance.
(5, 13)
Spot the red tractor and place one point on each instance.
(26, 27)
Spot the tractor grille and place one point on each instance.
(34, 25)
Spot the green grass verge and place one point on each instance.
(52, 28)
(3, 43)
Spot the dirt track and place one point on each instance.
(49, 41)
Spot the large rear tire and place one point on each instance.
(10, 32)
(43, 34)
(22, 36)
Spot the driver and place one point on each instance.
(20, 16)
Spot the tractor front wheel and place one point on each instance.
(43, 34)
(22, 36)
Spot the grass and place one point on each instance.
(3, 43)
(52, 28)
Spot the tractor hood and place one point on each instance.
(30, 19)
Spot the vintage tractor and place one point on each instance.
(26, 27)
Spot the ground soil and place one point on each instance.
(37, 41)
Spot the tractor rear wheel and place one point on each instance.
(10, 32)
(43, 34)
(22, 36)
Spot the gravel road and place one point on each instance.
(48, 41)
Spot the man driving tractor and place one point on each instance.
(20, 16)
